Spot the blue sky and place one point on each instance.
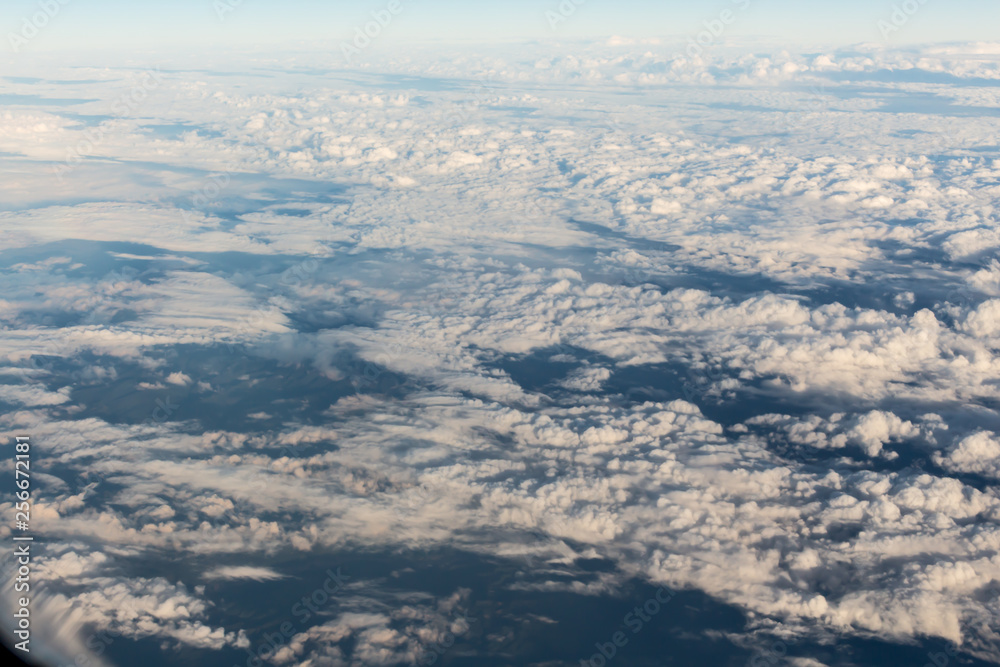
(121, 23)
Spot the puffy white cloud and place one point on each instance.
(179, 379)
(870, 431)
(877, 428)
(984, 321)
(978, 453)
(587, 379)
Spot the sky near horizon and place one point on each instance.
(104, 24)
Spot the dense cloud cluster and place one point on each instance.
(542, 309)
